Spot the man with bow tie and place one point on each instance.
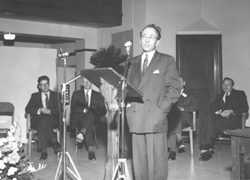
(224, 113)
(155, 75)
(179, 118)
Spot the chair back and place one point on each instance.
(6, 116)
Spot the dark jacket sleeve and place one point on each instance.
(243, 105)
(101, 109)
(32, 106)
(55, 105)
(193, 106)
(215, 106)
(78, 103)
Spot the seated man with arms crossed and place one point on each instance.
(179, 118)
(87, 107)
(44, 108)
(224, 113)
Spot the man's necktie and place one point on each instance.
(227, 97)
(87, 97)
(47, 101)
(145, 65)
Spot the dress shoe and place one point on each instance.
(206, 156)
(80, 137)
(57, 147)
(181, 146)
(208, 147)
(44, 156)
(172, 155)
(92, 156)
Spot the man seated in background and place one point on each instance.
(87, 107)
(224, 113)
(44, 107)
(179, 118)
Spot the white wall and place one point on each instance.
(19, 71)
(230, 17)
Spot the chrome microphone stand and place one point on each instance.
(61, 168)
(121, 169)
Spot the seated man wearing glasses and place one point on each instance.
(44, 108)
(224, 113)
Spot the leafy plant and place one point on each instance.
(110, 57)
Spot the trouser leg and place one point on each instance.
(45, 132)
(207, 130)
(140, 161)
(172, 139)
(150, 156)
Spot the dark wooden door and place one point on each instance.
(199, 61)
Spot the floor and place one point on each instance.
(184, 167)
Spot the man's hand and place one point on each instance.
(226, 113)
(218, 112)
(44, 110)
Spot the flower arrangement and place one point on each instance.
(13, 163)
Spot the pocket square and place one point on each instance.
(156, 71)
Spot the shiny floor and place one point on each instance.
(184, 167)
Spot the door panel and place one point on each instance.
(197, 57)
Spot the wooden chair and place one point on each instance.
(191, 129)
(6, 116)
(95, 139)
(32, 132)
(223, 137)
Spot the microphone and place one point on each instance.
(128, 45)
(63, 54)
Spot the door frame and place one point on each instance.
(217, 56)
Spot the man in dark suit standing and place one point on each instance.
(44, 107)
(155, 75)
(179, 118)
(87, 107)
(224, 113)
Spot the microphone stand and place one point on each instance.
(61, 168)
(121, 168)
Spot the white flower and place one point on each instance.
(12, 171)
(2, 164)
(13, 158)
(12, 129)
(5, 159)
(3, 141)
(14, 179)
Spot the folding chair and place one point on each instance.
(191, 129)
(6, 116)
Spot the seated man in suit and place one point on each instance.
(224, 113)
(87, 107)
(44, 107)
(179, 118)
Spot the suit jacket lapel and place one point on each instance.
(150, 69)
(40, 99)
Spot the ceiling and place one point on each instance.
(86, 13)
